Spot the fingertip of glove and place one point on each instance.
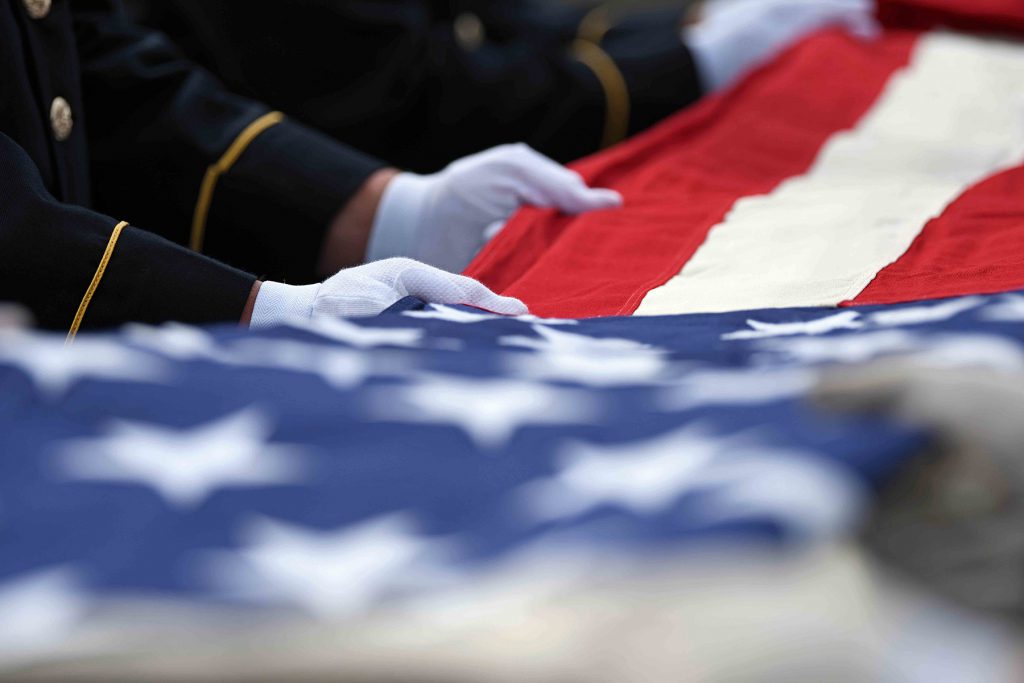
(609, 198)
(506, 305)
(595, 199)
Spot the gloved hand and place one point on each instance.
(441, 218)
(370, 289)
(734, 36)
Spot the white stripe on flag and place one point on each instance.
(954, 116)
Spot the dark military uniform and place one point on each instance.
(103, 122)
(423, 82)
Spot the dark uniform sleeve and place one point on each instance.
(77, 268)
(420, 88)
(220, 174)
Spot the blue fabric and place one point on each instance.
(361, 462)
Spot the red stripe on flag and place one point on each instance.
(974, 247)
(966, 15)
(682, 177)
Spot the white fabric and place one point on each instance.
(734, 36)
(277, 302)
(441, 219)
(370, 289)
(940, 126)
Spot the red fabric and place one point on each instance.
(681, 178)
(975, 247)
(969, 15)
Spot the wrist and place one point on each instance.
(399, 219)
(347, 237)
(246, 318)
(278, 303)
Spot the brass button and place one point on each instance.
(60, 119)
(469, 31)
(37, 9)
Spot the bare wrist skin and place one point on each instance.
(349, 232)
(250, 304)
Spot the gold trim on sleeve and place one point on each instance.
(97, 276)
(222, 166)
(595, 24)
(616, 121)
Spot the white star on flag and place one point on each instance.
(582, 359)
(850, 348)
(184, 466)
(54, 367)
(1009, 309)
(741, 480)
(747, 386)
(971, 350)
(558, 341)
(181, 342)
(455, 315)
(489, 411)
(847, 320)
(920, 315)
(947, 350)
(597, 370)
(361, 337)
(340, 368)
(328, 573)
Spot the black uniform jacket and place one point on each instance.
(422, 82)
(103, 122)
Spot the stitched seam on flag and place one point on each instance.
(95, 282)
(222, 166)
(616, 91)
(669, 272)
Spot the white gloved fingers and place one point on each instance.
(513, 153)
(853, 15)
(863, 26)
(370, 289)
(582, 199)
(737, 35)
(430, 285)
(355, 293)
(713, 9)
(356, 306)
(572, 195)
(480, 296)
(440, 219)
(437, 286)
(548, 183)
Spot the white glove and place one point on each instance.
(734, 36)
(370, 289)
(440, 219)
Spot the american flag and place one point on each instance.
(335, 469)
(432, 481)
